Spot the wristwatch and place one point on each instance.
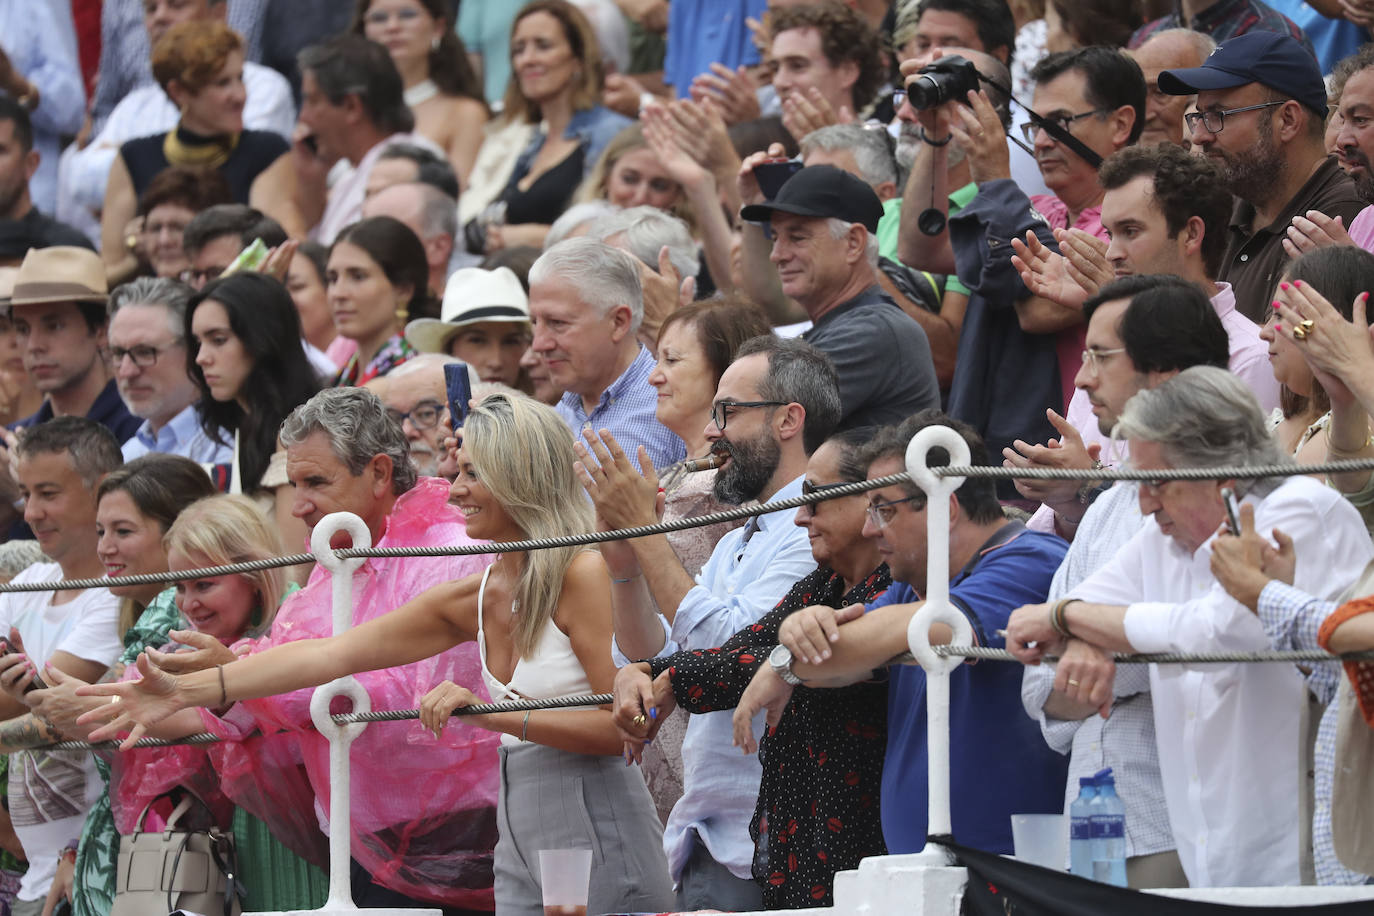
(781, 660)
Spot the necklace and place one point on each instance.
(421, 92)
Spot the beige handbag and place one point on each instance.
(195, 870)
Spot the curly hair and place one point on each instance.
(1185, 186)
(193, 54)
(845, 37)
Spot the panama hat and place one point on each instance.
(472, 295)
(62, 273)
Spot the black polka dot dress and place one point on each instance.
(817, 811)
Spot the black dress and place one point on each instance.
(817, 811)
(255, 151)
(548, 195)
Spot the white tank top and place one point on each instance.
(552, 670)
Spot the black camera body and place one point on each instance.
(952, 77)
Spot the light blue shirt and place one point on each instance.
(749, 572)
(183, 436)
(627, 408)
(33, 38)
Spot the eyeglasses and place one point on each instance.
(1029, 128)
(721, 410)
(1092, 358)
(381, 17)
(143, 356)
(424, 415)
(881, 514)
(1214, 121)
(199, 278)
(808, 488)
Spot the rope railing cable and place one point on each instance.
(712, 518)
(601, 699)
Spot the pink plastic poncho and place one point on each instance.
(424, 810)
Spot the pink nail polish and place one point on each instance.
(1283, 285)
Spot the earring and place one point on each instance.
(434, 43)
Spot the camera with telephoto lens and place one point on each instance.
(948, 78)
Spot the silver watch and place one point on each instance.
(781, 660)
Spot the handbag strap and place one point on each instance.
(222, 851)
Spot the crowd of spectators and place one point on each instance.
(243, 243)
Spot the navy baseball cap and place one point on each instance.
(823, 192)
(1270, 58)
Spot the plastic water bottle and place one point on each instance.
(1108, 816)
(1080, 829)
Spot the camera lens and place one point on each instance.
(925, 92)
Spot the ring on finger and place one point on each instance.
(1072, 682)
(1307, 325)
(1299, 333)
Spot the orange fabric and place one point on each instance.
(1361, 674)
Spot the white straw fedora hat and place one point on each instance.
(472, 295)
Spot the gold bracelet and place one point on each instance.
(1061, 625)
(223, 694)
(525, 730)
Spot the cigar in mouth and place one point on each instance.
(707, 462)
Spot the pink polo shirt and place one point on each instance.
(1068, 343)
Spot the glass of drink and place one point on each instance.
(564, 875)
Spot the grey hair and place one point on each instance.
(358, 428)
(1204, 417)
(871, 152)
(603, 277)
(164, 291)
(646, 230)
(17, 556)
(800, 373)
(438, 212)
(575, 216)
(839, 229)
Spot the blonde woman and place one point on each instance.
(542, 623)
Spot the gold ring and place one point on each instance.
(1072, 682)
(639, 719)
(1299, 333)
(1307, 325)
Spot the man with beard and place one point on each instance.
(1355, 140)
(775, 404)
(1261, 117)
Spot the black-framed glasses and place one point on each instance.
(882, 514)
(424, 415)
(143, 356)
(1029, 128)
(1214, 121)
(721, 410)
(808, 489)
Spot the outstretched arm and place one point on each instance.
(437, 619)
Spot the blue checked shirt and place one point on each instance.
(1126, 741)
(627, 410)
(1292, 618)
(749, 572)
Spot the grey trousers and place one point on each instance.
(708, 885)
(552, 799)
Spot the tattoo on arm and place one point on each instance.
(27, 731)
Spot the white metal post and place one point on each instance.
(937, 609)
(341, 737)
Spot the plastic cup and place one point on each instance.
(1040, 839)
(564, 875)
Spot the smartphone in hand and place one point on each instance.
(1228, 499)
(459, 392)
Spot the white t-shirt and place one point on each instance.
(51, 791)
